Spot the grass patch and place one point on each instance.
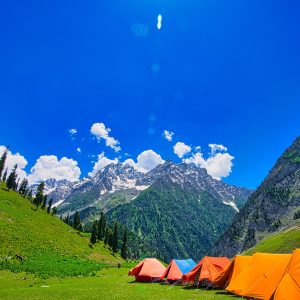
(109, 284)
(281, 242)
(48, 246)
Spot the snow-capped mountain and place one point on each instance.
(113, 185)
(57, 190)
(121, 183)
(182, 213)
(190, 176)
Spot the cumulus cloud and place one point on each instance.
(217, 165)
(49, 166)
(101, 163)
(13, 159)
(100, 131)
(217, 147)
(168, 135)
(181, 149)
(146, 161)
(73, 131)
(78, 150)
(130, 162)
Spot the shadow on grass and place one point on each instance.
(222, 292)
(189, 287)
(146, 282)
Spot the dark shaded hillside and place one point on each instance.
(272, 207)
(174, 222)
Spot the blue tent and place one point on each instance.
(177, 268)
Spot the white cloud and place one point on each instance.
(217, 165)
(73, 131)
(49, 166)
(168, 135)
(101, 163)
(12, 160)
(130, 162)
(100, 131)
(181, 149)
(217, 147)
(146, 161)
(78, 150)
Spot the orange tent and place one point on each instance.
(266, 272)
(289, 286)
(206, 270)
(232, 271)
(238, 283)
(148, 270)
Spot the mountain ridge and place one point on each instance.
(270, 208)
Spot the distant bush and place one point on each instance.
(52, 265)
(296, 159)
(297, 215)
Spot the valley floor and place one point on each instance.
(107, 284)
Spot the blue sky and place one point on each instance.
(224, 72)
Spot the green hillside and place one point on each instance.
(271, 208)
(282, 242)
(49, 246)
(174, 222)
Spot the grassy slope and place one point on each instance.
(282, 242)
(108, 284)
(51, 247)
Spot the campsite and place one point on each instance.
(261, 276)
(149, 150)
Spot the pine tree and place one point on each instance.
(67, 219)
(106, 236)
(3, 160)
(39, 197)
(44, 202)
(11, 180)
(54, 211)
(115, 239)
(4, 175)
(93, 238)
(17, 184)
(29, 195)
(77, 221)
(124, 245)
(103, 226)
(23, 187)
(110, 238)
(49, 206)
(101, 230)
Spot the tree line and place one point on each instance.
(13, 183)
(102, 231)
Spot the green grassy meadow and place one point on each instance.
(280, 242)
(50, 247)
(109, 283)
